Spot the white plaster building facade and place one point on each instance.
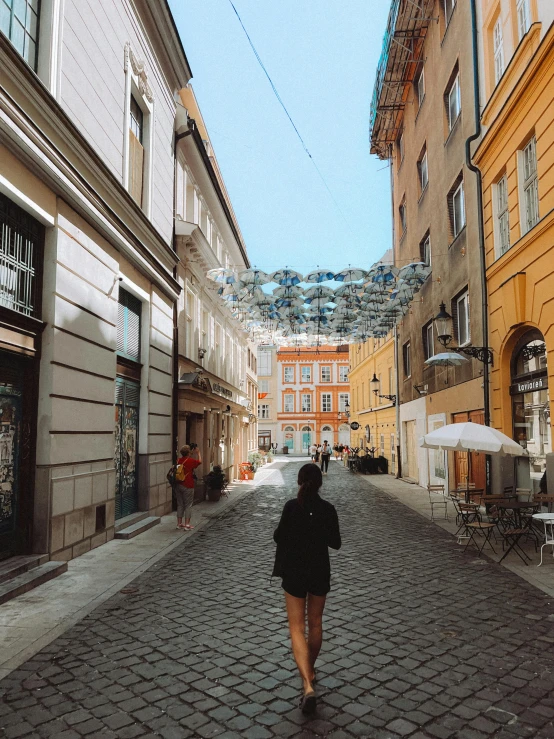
(87, 288)
(267, 397)
(217, 374)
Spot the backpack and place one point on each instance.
(180, 473)
(176, 474)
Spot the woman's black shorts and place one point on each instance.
(299, 588)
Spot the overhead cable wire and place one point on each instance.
(282, 104)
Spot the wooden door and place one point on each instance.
(411, 451)
(477, 458)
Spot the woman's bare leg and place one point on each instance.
(296, 612)
(316, 604)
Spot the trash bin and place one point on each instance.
(285, 449)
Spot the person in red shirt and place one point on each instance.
(184, 489)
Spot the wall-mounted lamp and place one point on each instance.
(443, 325)
(375, 381)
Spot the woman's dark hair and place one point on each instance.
(309, 481)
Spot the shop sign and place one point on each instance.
(529, 386)
(354, 425)
(220, 390)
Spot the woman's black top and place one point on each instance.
(303, 536)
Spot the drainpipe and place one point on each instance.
(480, 223)
(395, 338)
(175, 398)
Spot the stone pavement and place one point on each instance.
(420, 640)
(33, 620)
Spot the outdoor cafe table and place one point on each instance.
(517, 507)
(548, 499)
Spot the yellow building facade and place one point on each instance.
(516, 159)
(375, 415)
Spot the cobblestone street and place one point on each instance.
(419, 639)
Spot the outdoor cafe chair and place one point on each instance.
(465, 513)
(548, 521)
(437, 500)
(483, 527)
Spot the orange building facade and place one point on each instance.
(516, 158)
(313, 397)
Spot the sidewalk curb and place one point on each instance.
(35, 645)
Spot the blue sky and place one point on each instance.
(322, 56)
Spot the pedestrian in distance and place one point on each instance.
(313, 452)
(309, 525)
(336, 452)
(317, 453)
(187, 462)
(325, 456)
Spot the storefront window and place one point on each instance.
(531, 404)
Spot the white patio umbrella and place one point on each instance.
(446, 359)
(471, 437)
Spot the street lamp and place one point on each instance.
(346, 411)
(375, 381)
(443, 326)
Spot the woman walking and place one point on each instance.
(308, 526)
(325, 457)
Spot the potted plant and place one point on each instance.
(215, 481)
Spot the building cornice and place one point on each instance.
(169, 41)
(220, 195)
(21, 135)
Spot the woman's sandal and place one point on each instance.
(308, 703)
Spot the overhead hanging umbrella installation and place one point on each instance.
(471, 437)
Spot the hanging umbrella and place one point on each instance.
(414, 272)
(253, 276)
(289, 302)
(351, 274)
(446, 359)
(222, 274)
(287, 291)
(471, 437)
(318, 303)
(319, 275)
(286, 277)
(383, 273)
(349, 288)
(318, 291)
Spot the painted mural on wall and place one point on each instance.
(10, 428)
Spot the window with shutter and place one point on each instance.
(136, 152)
(128, 325)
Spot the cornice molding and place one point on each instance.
(169, 40)
(139, 69)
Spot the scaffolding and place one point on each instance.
(400, 59)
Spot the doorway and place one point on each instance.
(126, 446)
(461, 461)
(411, 451)
(306, 439)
